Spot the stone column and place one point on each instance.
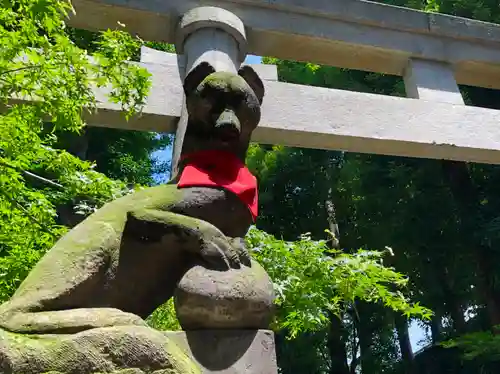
(225, 314)
(432, 81)
(209, 34)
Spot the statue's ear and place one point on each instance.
(253, 80)
(196, 76)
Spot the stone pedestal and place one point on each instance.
(229, 351)
(225, 314)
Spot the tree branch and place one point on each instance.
(19, 69)
(27, 212)
(32, 175)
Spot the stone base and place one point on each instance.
(229, 351)
(117, 350)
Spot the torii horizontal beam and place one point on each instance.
(313, 117)
(345, 33)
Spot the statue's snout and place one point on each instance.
(228, 125)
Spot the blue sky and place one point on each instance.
(416, 332)
(251, 59)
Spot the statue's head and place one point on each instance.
(223, 108)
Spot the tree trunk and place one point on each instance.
(365, 335)
(66, 216)
(332, 222)
(76, 144)
(436, 327)
(490, 296)
(405, 344)
(467, 198)
(452, 303)
(336, 347)
(336, 336)
(457, 314)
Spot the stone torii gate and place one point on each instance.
(432, 52)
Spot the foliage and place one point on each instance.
(379, 201)
(164, 318)
(311, 280)
(125, 155)
(38, 62)
(404, 203)
(482, 345)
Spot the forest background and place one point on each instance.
(344, 305)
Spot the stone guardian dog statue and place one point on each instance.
(104, 277)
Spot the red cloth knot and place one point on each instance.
(215, 168)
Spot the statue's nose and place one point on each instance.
(228, 125)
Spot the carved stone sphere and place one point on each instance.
(232, 299)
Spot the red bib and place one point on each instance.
(221, 169)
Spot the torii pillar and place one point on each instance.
(209, 34)
(218, 36)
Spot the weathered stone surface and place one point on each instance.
(266, 72)
(229, 351)
(233, 299)
(125, 260)
(212, 18)
(432, 81)
(322, 118)
(362, 35)
(124, 350)
(82, 306)
(211, 35)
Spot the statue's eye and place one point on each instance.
(209, 93)
(204, 106)
(237, 99)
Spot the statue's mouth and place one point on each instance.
(227, 136)
(227, 127)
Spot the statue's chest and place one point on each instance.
(219, 207)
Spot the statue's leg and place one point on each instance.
(54, 296)
(197, 236)
(68, 321)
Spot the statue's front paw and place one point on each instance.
(219, 252)
(241, 249)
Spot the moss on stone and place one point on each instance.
(226, 81)
(180, 360)
(82, 353)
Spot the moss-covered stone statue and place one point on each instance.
(82, 308)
